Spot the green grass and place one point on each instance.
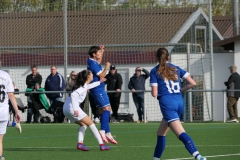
(135, 141)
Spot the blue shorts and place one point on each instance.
(101, 98)
(171, 107)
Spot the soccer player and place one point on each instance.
(98, 93)
(166, 87)
(6, 93)
(75, 114)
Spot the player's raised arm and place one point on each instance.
(104, 72)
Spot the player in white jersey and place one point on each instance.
(74, 113)
(166, 87)
(6, 93)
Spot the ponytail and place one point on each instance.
(166, 71)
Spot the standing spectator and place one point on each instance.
(166, 87)
(71, 81)
(54, 82)
(99, 94)
(6, 94)
(31, 80)
(114, 83)
(233, 83)
(137, 82)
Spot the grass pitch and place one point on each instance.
(135, 141)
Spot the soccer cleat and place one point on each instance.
(103, 136)
(199, 157)
(104, 147)
(81, 146)
(2, 158)
(110, 138)
(96, 120)
(18, 127)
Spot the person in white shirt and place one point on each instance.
(6, 93)
(75, 114)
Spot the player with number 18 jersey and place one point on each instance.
(168, 92)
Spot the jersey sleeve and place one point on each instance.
(182, 73)
(9, 86)
(94, 68)
(153, 78)
(92, 85)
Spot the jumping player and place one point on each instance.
(75, 114)
(6, 93)
(100, 95)
(166, 87)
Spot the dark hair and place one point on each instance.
(81, 78)
(33, 66)
(92, 50)
(164, 69)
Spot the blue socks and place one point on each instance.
(105, 121)
(11, 124)
(160, 146)
(189, 144)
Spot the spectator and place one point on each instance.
(166, 87)
(39, 101)
(233, 83)
(31, 80)
(137, 82)
(71, 81)
(114, 83)
(54, 82)
(6, 94)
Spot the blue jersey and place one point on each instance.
(166, 86)
(96, 69)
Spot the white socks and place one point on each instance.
(81, 133)
(96, 133)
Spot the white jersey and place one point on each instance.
(77, 97)
(6, 87)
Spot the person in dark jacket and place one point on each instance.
(54, 82)
(31, 80)
(114, 83)
(233, 83)
(137, 82)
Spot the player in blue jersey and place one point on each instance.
(98, 93)
(166, 87)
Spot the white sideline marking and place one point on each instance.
(224, 155)
(139, 147)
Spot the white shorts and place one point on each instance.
(69, 113)
(3, 127)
